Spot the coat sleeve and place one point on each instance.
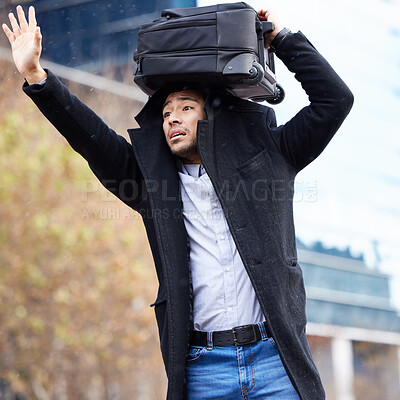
(304, 137)
(109, 155)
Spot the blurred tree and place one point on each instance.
(75, 273)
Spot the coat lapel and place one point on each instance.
(159, 170)
(158, 167)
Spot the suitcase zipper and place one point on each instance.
(170, 25)
(186, 52)
(183, 53)
(180, 53)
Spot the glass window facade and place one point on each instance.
(95, 34)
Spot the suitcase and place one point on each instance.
(219, 45)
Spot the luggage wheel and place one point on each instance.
(279, 96)
(256, 74)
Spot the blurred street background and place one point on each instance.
(76, 273)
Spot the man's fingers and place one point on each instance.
(14, 25)
(22, 20)
(263, 14)
(9, 34)
(32, 19)
(38, 37)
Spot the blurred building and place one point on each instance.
(96, 35)
(353, 329)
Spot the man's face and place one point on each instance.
(181, 111)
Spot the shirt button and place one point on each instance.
(215, 205)
(229, 309)
(227, 269)
(222, 237)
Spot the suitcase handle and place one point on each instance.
(192, 11)
(267, 27)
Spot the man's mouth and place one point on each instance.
(175, 134)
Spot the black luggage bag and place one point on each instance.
(221, 44)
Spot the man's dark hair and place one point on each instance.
(211, 94)
(166, 90)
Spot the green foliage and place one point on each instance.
(66, 282)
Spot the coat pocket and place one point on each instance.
(161, 297)
(296, 303)
(254, 162)
(160, 310)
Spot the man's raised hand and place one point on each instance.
(26, 44)
(271, 16)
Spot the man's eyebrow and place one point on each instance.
(188, 98)
(182, 98)
(165, 104)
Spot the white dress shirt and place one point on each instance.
(223, 294)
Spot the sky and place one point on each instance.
(350, 195)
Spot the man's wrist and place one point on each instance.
(279, 38)
(36, 76)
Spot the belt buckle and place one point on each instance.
(239, 342)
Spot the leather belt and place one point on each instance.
(238, 336)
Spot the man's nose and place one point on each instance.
(174, 118)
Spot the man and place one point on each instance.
(212, 176)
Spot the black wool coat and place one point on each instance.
(252, 164)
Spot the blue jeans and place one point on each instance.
(238, 372)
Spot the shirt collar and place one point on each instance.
(194, 170)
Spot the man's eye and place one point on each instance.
(187, 108)
(167, 114)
